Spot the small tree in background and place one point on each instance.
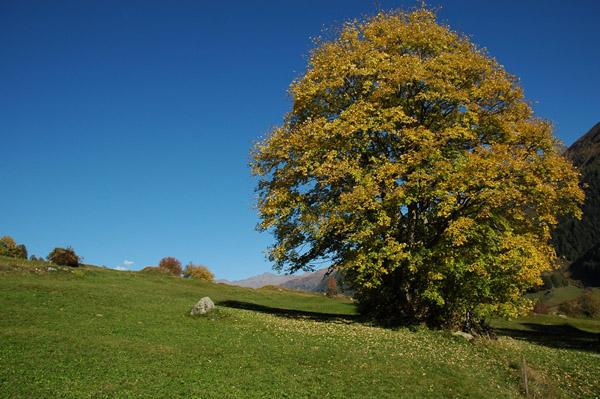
(173, 265)
(332, 288)
(199, 272)
(541, 308)
(8, 246)
(64, 257)
(21, 252)
(586, 305)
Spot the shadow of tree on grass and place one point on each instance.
(291, 313)
(563, 336)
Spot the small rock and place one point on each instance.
(204, 305)
(562, 316)
(465, 335)
(51, 269)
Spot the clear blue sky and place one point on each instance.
(125, 125)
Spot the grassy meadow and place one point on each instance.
(98, 333)
(556, 296)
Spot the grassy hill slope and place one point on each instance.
(553, 298)
(99, 333)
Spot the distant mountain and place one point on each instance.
(312, 281)
(305, 282)
(584, 152)
(318, 281)
(261, 280)
(576, 239)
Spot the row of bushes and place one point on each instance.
(173, 266)
(9, 247)
(68, 257)
(59, 256)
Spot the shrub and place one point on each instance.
(64, 257)
(590, 305)
(171, 264)
(332, 288)
(569, 308)
(586, 305)
(199, 272)
(21, 252)
(8, 246)
(541, 308)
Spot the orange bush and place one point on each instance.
(173, 265)
(541, 308)
(332, 288)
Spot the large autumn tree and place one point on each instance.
(411, 159)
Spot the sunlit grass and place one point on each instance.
(556, 296)
(92, 332)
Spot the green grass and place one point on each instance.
(99, 333)
(553, 298)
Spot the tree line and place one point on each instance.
(60, 256)
(68, 257)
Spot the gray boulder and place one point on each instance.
(462, 334)
(204, 305)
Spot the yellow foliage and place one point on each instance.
(199, 272)
(8, 246)
(412, 159)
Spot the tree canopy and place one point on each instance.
(9, 247)
(173, 265)
(64, 256)
(199, 272)
(411, 160)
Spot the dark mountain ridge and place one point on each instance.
(584, 152)
(577, 240)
